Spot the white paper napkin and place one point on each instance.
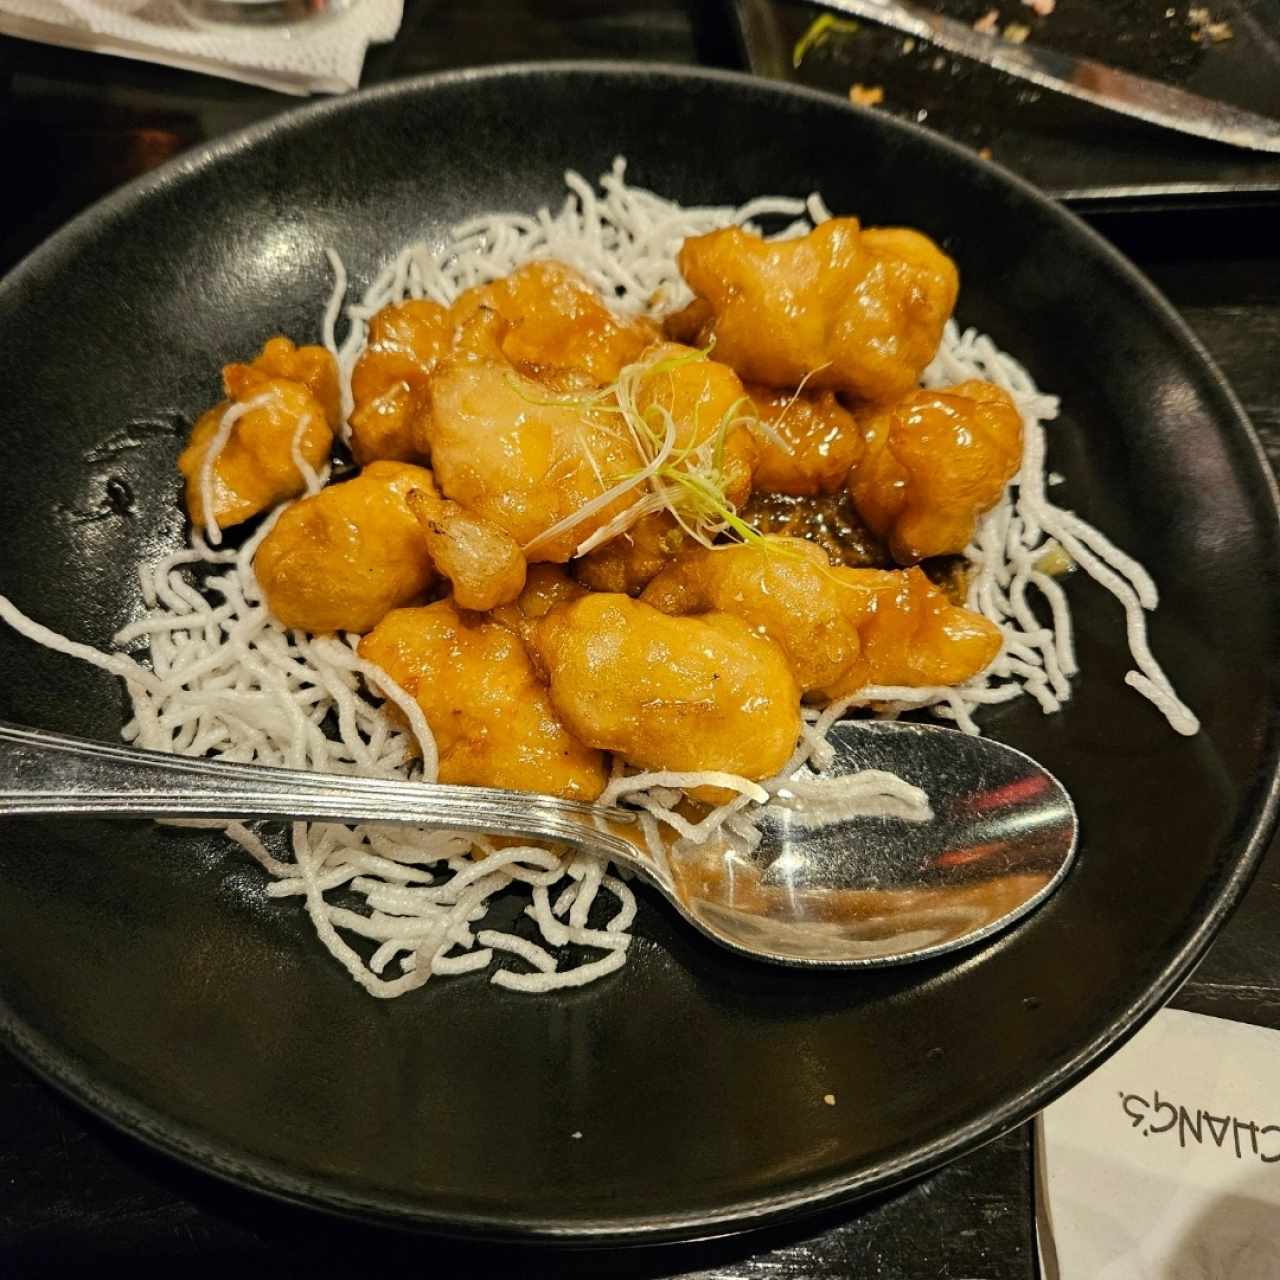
(1165, 1163)
(320, 57)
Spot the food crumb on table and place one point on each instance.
(1055, 561)
(829, 1099)
(1042, 8)
(862, 95)
(1205, 29)
(1017, 32)
(576, 1134)
(985, 152)
(818, 32)
(988, 23)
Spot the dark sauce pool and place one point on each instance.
(830, 521)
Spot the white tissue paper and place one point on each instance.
(320, 57)
(1164, 1164)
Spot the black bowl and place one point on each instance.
(142, 970)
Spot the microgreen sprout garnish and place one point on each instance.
(684, 470)
(584, 400)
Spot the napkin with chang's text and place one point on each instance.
(1164, 1164)
(324, 56)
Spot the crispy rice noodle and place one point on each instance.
(219, 677)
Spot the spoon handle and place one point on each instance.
(55, 775)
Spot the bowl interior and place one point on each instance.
(144, 970)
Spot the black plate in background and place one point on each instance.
(1071, 149)
(142, 970)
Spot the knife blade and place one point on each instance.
(1108, 87)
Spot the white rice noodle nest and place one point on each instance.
(221, 678)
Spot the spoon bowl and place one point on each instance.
(913, 840)
(830, 887)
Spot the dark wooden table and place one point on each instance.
(74, 1194)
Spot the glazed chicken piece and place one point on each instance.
(933, 463)
(706, 403)
(524, 460)
(343, 558)
(528, 456)
(555, 324)
(481, 561)
(278, 420)
(406, 341)
(783, 588)
(312, 366)
(546, 586)
(839, 628)
(911, 633)
(549, 323)
(704, 693)
(823, 436)
(491, 716)
(860, 312)
(630, 561)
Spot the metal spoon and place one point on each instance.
(822, 888)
